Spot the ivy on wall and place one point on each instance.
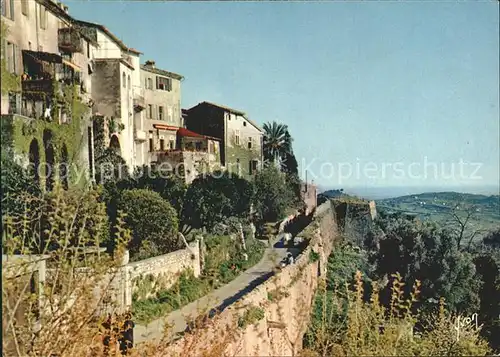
(243, 153)
(19, 132)
(10, 82)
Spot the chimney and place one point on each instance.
(150, 63)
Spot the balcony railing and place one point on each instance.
(36, 88)
(70, 40)
(139, 103)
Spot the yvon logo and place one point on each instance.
(462, 322)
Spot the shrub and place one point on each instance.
(17, 185)
(347, 325)
(68, 307)
(313, 256)
(185, 290)
(151, 219)
(251, 316)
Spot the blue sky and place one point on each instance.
(363, 86)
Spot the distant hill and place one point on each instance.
(439, 206)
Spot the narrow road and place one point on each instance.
(218, 299)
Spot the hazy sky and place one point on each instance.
(398, 93)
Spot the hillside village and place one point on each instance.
(73, 71)
(134, 226)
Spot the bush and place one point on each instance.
(346, 325)
(151, 219)
(17, 184)
(70, 231)
(251, 316)
(185, 290)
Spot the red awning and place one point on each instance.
(165, 127)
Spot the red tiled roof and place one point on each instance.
(186, 132)
(192, 134)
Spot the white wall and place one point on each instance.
(107, 47)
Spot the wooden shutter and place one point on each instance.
(11, 9)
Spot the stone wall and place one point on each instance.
(148, 276)
(285, 301)
(193, 163)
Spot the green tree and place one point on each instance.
(210, 199)
(170, 186)
(273, 195)
(152, 220)
(17, 185)
(110, 166)
(424, 251)
(277, 141)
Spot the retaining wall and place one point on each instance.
(285, 300)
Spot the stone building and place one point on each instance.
(241, 139)
(195, 154)
(156, 127)
(53, 59)
(115, 91)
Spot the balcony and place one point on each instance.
(70, 40)
(139, 102)
(37, 88)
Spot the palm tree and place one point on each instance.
(277, 141)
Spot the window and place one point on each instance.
(43, 17)
(250, 142)
(198, 146)
(164, 83)
(161, 114)
(150, 111)
(154, 112)
(252, 166)
(14, 103)
(8, 9)
(151, 142)
(162, 144)
(124, 80)
(149, 83)
(237, 137)
(11, 57)
(128, 82)
(244, 123)
(238, 167)
(88, 49)
(172, 144)
(25, 9)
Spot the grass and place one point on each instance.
(251, 316)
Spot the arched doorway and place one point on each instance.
(114, 144)
(49, 160)
(34, 159)
(63, 167)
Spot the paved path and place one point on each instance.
(218, 299)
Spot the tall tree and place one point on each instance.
(277, 141)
